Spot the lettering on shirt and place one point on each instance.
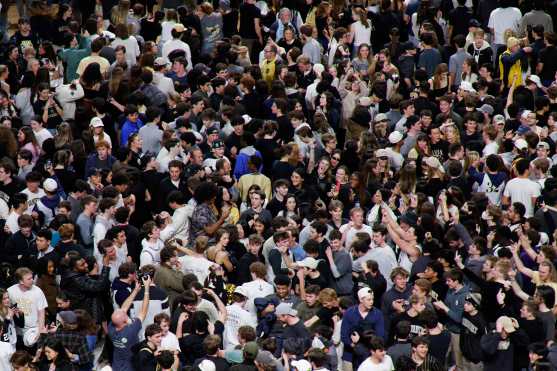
(469, 326)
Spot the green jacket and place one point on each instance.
(72, 56)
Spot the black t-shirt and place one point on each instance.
(54, 118)
(297, 331)
(440, 150)
(248, 12)
(548, 57)
(326, 316)
(459, 19)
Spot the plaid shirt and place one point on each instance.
(74, 342)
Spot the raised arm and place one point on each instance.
(519, 265)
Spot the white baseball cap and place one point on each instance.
(395, 137)
(50, 185)
(96, 122)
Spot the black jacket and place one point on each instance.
(82, 290)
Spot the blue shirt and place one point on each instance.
(123, 341)
(353, 321)
(128, 129)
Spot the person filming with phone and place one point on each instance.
(124, 331)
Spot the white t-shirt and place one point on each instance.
(170, 342)
(32, 198)
(11, 222)
(30, 302)
(502, 19)
(490, 149)
(257, 289)
(151, 253)
(236, 318)
(350, 232)
(6, 351)
(369, 365)
(522, 190)
(196, 265)
(42, 135)
(132, 48)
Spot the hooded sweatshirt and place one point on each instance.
(482, 55)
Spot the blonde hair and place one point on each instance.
(119, 13)
(327, 295)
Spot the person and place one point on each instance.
(80, 287)
(32, 302)
(123, 331)
(378, 360)
(236, 317)
(358, 318)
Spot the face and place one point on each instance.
(544, 272)
(255, 200)
(311, 299)
(174, 173)
(400, 282)
(336, 245)
(367, 302)
(282, 190)
(62, 304)
(82, 266)
(378, 238)
(42, 243)
(6, 300)
(358, 218)
(421, 350)
(224, 239)
(254, 248)
(259, 227)
(364, 52)
(50, 353)
(336, 213)
(452, 284)
(296, 179)
(155, 233)
(156, 339)
(340, 176)
(282, 291)
(291, 203)
(165, 327)
(444, 106)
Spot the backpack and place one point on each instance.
(136, 351)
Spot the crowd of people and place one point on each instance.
(297, 185)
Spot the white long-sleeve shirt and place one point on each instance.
(176, 44)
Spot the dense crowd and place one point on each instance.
(289, 185)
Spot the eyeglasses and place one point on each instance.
(335, 158)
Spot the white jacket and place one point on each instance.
(67, 98)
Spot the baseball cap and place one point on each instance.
(395, 137)
(380, 117)
(521, 144)
(474, 23)
(212, 130)
(96, 122)
(535, 79)
(486, 108)
(202, 68)
(68, 317)
(251, 349)
(285, 309)
(207, 365)
(474, 298)
(50, 185)
(242, 291)
(381, 153)
(178, 27)
(301, 365)
(309, 262)
(265, 357)
(161, 61)
(234, 356)
(508, 324)
(498, 119)
(217, 144)
(364, 101)
(409, 218)
(247, 119)
(543, 145)
(434, 162)
(364, 292)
